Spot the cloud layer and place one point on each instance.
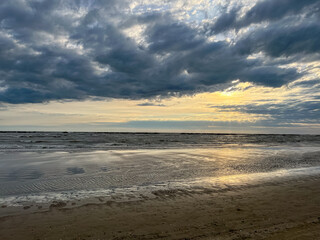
(56, 50)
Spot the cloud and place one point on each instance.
(278, 40)
(178, 125)
(225, 21)
(262, 11)
(280, 114)
(59, 50)
(172, 37)
(270, 10)
(148, 104)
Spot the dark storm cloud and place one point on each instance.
(263, 11)
(269, 10)
(315, 83)
(224, 22)
(269, 76)
(278, 41)
(55, 50)
(172, 37)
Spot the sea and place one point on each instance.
(45, 167)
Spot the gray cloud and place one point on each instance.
(288, 112)
(225, 21)
(269, 10)
(278, 40)
(263, 11)
(55, 50)
(172, 37)
(148, 104)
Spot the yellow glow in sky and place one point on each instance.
(199, 107)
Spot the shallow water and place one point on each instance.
(65, 170)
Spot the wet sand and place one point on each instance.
(280, 210)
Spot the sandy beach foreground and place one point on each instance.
(284, 210)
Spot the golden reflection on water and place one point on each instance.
(242, 180)
(220, 168)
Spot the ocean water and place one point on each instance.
(84, 141)
(47, 166)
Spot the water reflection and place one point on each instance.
(75, 170)
(253, 179)
(23, 174)
(43, 172)
(104, 169)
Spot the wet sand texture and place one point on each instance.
(287, 210)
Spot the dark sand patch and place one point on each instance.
(56, 204)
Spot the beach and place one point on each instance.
(164, 120)
(192, 187)
(286, 210)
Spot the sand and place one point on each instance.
(284, 210)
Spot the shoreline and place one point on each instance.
(32, 203)
(287, 209)
(41, 202)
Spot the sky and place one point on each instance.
(233, 66)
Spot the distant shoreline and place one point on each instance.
(151, 133)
